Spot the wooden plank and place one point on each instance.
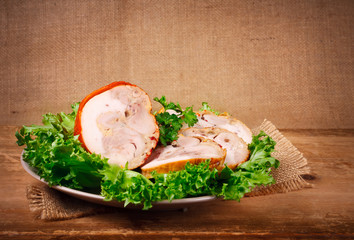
(325, 211)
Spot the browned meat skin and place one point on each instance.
(186, 149)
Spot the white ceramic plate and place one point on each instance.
(95, 198)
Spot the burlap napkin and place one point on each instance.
(49, 204)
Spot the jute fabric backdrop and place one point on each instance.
(288, 61)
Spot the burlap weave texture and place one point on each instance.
(288, 61)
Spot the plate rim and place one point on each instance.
(101, 200)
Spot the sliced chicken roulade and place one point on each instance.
(209, 119)
(186, 149)
(116, 122)
(237, 149)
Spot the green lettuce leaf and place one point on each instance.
(194, 180)
(126, 186)
(255, 172)
(57, 154)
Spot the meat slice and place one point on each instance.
(116, 122)
(186, 149)
(209, 119)
(237, 149)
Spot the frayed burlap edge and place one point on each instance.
(50, 204)
(292, 164)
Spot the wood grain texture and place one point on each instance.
(323, 212)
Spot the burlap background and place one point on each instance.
(288, 61)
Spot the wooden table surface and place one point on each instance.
(325, 211)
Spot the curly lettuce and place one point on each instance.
(60, 159)
(171, 123)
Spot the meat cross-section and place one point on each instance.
(116, 122)
(237, 149)
(186, 149)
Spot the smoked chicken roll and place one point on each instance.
(225, 121)
(237, 149)
(116, 122)
(186, 149)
